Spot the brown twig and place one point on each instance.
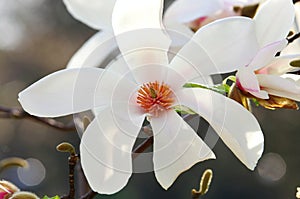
(18, 113)
(293, 38)
(72, 161)
(142, 147)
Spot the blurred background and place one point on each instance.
(38, 37)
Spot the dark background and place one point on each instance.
(38, 37)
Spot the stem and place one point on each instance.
(72, 163)
(293, 38)
(18, 113)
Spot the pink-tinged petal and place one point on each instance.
(236, 126)
(219, 47)
(2, 195)
(95, 13)
(105, 151)
(247, 81)
(274, 20)
(95, 52)
(280, 65)
(267, 54)
(184, 11)
(176, 148)
(287, 86)
(72, 90)
(135, 20)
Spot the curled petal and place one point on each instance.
(267, 54)
(105, 151)
(280, 65)
(176, 148)
(273, 21)
(97, 14)
(287, 86)
(247, 81)
(236, 126)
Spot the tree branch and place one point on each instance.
(293, 38)
(18, 113)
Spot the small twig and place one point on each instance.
(73, 159)
(293, 38)
(18, 113)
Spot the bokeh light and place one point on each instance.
(271, 167)
(32, 175)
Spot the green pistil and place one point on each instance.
(153, 93)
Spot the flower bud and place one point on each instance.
(24, 195)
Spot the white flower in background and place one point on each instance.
(145, 84)
(184, 16)
(263, 77)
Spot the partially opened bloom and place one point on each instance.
(143, 84)
(7, 189)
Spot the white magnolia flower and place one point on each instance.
(142, 83)
(262, 75)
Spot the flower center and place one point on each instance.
(155, 97)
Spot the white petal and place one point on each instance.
(176, 148)
(73, 90)
(273, 21)
(280, 65)
(94, 52)
(55, 94)
(219, 47)
(140, 34)
(236, 126)
(105, 151)
(248, 81)
(285, 86)
(266, 54)
(183, 11)
(95, 13)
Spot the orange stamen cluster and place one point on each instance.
(155, 97)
